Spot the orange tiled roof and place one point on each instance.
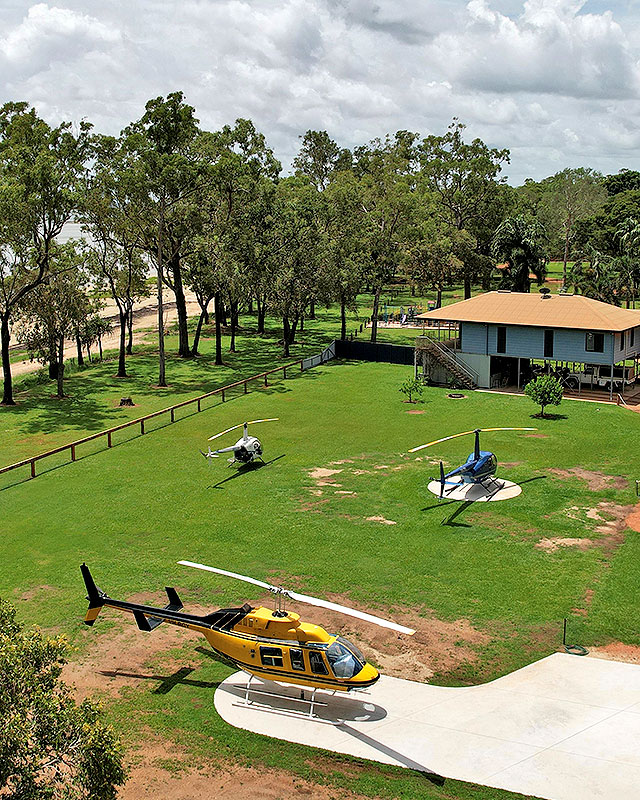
(556, 311)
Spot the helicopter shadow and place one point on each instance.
(279, 699)
(167, 682)
(451, 519)
(246, 470)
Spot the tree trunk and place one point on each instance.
(439, 297)
(374, 315)
(467, 287)
(250, 308)
(53, 360)
(79, 349)
(88, 352)
(343, 319)
(100, 345)
(312, 309)
(565, 258)
(196, 338)
(5, 337)
(122, 364)
(130, 331)
(261, 315)
(181, 308)
(234, 325)
(292, 330)
(162, 379)
(413, 290)
(217, 310)
(205, 313)
(61, 367)
(286, 333)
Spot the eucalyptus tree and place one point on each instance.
(464, 178)
(568, 197)
(40, 167)
(57, 308)
(386, 177)
(167, 178)
(320, 158)
(115, 242)
(521, 243)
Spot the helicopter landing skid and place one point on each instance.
(312, 703)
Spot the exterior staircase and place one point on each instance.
(433, 353)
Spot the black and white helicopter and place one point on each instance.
(246, 450)
(479, 468)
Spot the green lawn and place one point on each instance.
(132, 512)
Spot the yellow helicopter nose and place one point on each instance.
(367, 675)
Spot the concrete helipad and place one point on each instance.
(476, 493)
(562, 728)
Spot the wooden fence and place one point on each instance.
(222, 391)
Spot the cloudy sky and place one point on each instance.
(555, 81)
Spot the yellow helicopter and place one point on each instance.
(272, 644)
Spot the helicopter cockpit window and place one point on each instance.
(343, 662)
(271, 656)
(317, 663)
(355, 650)
(297, 659)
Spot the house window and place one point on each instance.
(271, 656)
(622, 340)
(548, 344)
(632, 337)
(594, 342)
(501, 345)
(297, 659)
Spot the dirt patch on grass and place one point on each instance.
(36, 591)
(553, 544)
(596, 481)
(314, 506)
(536, 436)
(319, 473)
(120, 658)
(509, 464)
(633, 519)
(158, 771)
(617, 651)
(415, 411)
(382, 520)
(583, 610)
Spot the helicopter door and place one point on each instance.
(318, 667)
(271, 656)
(297, 659)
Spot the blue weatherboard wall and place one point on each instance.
(528, 342)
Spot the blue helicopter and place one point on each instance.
(479, 468)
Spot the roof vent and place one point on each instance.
(504, 291)
(546, 293)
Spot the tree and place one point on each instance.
(49, 746)
(545, 390)
(166, 177)
(594, 274)
(114, 248)
(521, 244)
(621, 182)
(411, 387)
(570, 196)
(464, 180)
(385, 175)
(320, 157)
(39, 171)
(56, 310)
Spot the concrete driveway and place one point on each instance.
(562, 728)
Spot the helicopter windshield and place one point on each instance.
(343, 662)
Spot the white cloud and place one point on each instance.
(556, 81)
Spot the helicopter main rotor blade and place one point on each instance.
(241, 425)
(466, 433)
(304, 598)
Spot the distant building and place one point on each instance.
(498, 338)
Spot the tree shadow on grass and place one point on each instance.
(550, 417)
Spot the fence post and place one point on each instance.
(172, 417)
(223, 395)
(141, 426)
(245, 387)
(266, 383)
(284, 372)
(109, 439)
(73, 452)
(302, 366)
(33, 468)
(198, 404)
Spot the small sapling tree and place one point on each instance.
(545, 390)
(412, 387)
(50, 747)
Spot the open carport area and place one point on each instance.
(560, 728)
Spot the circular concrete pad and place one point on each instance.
(476, 493)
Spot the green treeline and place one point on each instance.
(212, 212)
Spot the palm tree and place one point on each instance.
(520, 243)
(596, 275)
